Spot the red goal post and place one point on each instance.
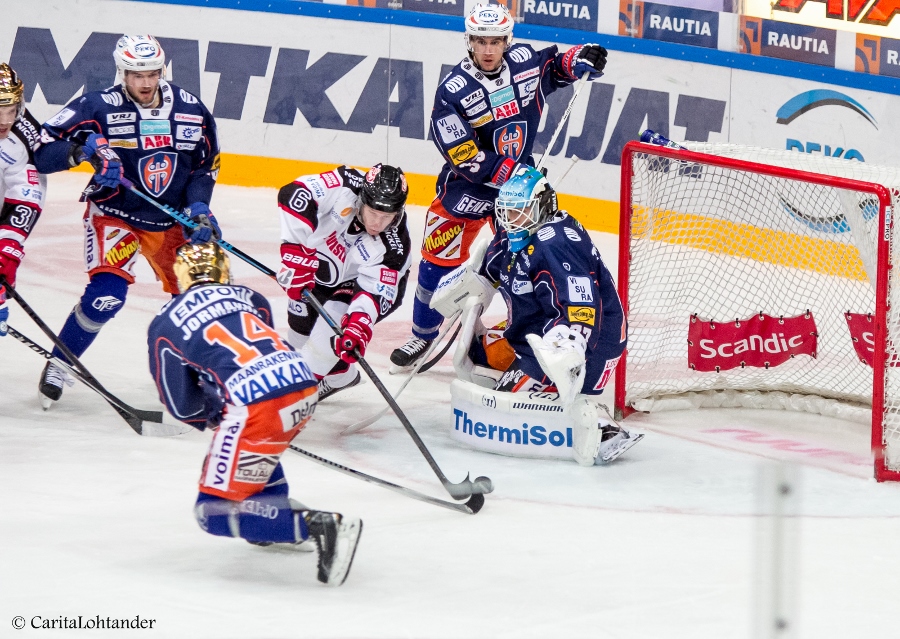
(761, 278)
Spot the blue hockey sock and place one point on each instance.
(427, 321)
(103, 297)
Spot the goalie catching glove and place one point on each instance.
(298, 269)
(561, 354)
(356, 331)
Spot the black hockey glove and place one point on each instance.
(591, 59)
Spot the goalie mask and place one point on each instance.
(197, 264)
(525, 202)
(11, 88)
(139, 53)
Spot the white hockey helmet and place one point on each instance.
(139, 53)
(489, 20)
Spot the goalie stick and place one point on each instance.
(419, 367)
(462, 490)
(135, 417)
(471, 507)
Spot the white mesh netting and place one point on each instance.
(726, 244)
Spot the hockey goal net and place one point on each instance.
(761, 278)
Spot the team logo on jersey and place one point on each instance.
(546, 233)
(470, 99)
(192, 133)
(187, 97)
(155, 127)
(465, 151)
(113, 118)
(520, 54)
(583, 314)
(572, 234)
(506, 111)
(157, 171)
(186, 117)
(112, 99)
(510, 140)
(156, 141)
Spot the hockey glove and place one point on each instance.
(357, 331)
(214, 405)
(4, 313)
(591, 59)
(298, 269)
(106, 163)
(11, 254)
(207, 228)
(565, 337)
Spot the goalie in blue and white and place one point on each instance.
(565, 329)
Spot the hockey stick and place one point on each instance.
(358, 426)
(437, 358)
(562, 121)
(134, 416)
(476, 501)
(461, 490)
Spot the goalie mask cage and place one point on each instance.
(724, 238)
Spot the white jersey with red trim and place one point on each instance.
(320, 212)
(23, 188)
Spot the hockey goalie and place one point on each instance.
(563, 336)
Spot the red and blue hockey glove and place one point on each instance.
(586, 58)
(298, 269)
(214, 405)
(11, 254)
(106, 163)
(356, 333)
(207, 227)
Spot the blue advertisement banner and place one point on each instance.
(573, 14)
(680, 25)
(798, 42)
(445, 7)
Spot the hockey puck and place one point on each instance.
(485, 484)
(475, 502)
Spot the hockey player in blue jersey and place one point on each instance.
(484, 122)
(563, 311)
(219, 363)
(164, 141)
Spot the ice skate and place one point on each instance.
(336, 538)
(327, 390)
(50, 388)
(406, 356)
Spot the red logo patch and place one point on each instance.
(122, 251)
(862, 332)
(761, 341)
(330, 180)
(389, 276)
(156, 141)
(506, 111)
(33, 177)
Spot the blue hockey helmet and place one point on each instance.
(525, 202)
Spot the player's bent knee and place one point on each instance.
(104, 297)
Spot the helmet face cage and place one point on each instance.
(201, 264)
(525, 202)
(139, 53)
(489, 21)
(11, 88)
(385, 189)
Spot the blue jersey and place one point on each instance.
(171, 153)
(483, 124)
(559, 278)
(217, 341)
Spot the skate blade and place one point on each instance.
(619, 450)
(349, 531)
(396, 370)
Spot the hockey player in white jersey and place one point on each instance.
(21, 185)
(345, 240)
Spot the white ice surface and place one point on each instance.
(98, 521)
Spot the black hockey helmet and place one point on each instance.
(384, 189)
